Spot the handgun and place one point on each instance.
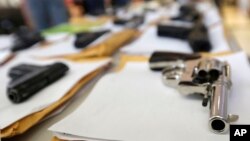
(210, 78)
(188, 13)
(187, 26)
(27, 79)
(83, 39)
(25, 38)
(132, 22)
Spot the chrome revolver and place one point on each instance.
(207, 77)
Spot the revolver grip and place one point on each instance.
(159, 60)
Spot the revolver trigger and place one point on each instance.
(205, 101)
(232, 118)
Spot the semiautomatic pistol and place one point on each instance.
(187, 26)
(84, 39)
(210, 78)
(132, 22)
(25, 38)
(27, 80)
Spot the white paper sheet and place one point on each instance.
(150, 42)
(56, 37)
(5, 41)
(134, 105)
(209, 12)
(154, 16)
(9, 112)
(55, 49)
(4, 54)
(218, 39)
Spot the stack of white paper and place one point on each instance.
(134, 105)
(11, 113)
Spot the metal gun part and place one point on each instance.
(210, 78)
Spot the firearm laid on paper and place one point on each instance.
(187, 26)
(27, 79)
(25, 38)
(207, 77)
(84, 39)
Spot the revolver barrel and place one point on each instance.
(219, 118)
(218, 121)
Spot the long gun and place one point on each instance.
(210, 78)
(27, 79)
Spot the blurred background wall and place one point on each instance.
(29, 12)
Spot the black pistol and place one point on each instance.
(187, 26)
(188, 13)
(83, 39)
(27, 80)
(198, 39)
(132, 22)
(25, 38)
